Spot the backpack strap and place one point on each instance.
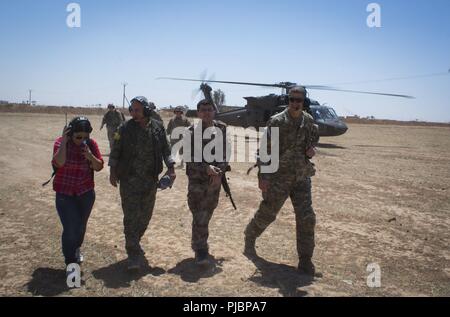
(55, 170)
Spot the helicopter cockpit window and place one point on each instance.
(324, 113)
(316, 114)
(334, 114)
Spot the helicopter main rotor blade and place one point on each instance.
(361, 92)
(195, 93)
(226, 82)
(290, 85)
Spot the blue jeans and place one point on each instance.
(74, 212)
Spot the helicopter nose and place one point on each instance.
(343, 128)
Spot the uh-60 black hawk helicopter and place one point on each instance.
(258, 110)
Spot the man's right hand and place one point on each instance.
(263, 185)
(213, 170)
(113, 177)
(215, 175)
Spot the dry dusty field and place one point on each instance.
(381, 194)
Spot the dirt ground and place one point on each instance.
(381, 195)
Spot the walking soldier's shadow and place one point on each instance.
(117, 275)
(284, 277)
(191, 272)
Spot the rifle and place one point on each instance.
(226, 187)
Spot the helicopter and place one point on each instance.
(258, 110)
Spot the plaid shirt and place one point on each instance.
(76, 177)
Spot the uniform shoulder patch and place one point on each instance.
(279, 115)
(308, 116)
(276, 119)
(117, 136)
(220, 124)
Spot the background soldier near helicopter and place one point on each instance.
(153, 113)
(177, 121)
(297, 136)
(113, 119)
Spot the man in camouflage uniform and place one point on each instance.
(140, 147)
(177, 121)
(153, 113)
(205, 178)
(297, 136)
(113, 119)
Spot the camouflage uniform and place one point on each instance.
(202, 196)
(112, 119)
(137, 155)
(154, 115)
(292, 179)
(175, 123)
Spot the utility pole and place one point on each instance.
(29, 93)
(124, 95)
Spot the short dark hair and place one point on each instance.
(203, 102)
(298, 90)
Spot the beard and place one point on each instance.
(296, 107)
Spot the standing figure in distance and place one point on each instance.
(113, 119)
(177, 121)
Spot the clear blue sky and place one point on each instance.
(304, 41)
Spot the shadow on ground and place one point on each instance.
(283, 277)
(47, 282)
(191, 272)
(383, 146)
(330, 146)
(117, 275)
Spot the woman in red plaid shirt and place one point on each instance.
(76, 157)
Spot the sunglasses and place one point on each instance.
(207, 110)
(299, 100)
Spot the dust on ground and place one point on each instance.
(381, 195)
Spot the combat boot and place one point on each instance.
(251, 233)
(250, 248)
(201, 257)
(133, 263)
(306, 267)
